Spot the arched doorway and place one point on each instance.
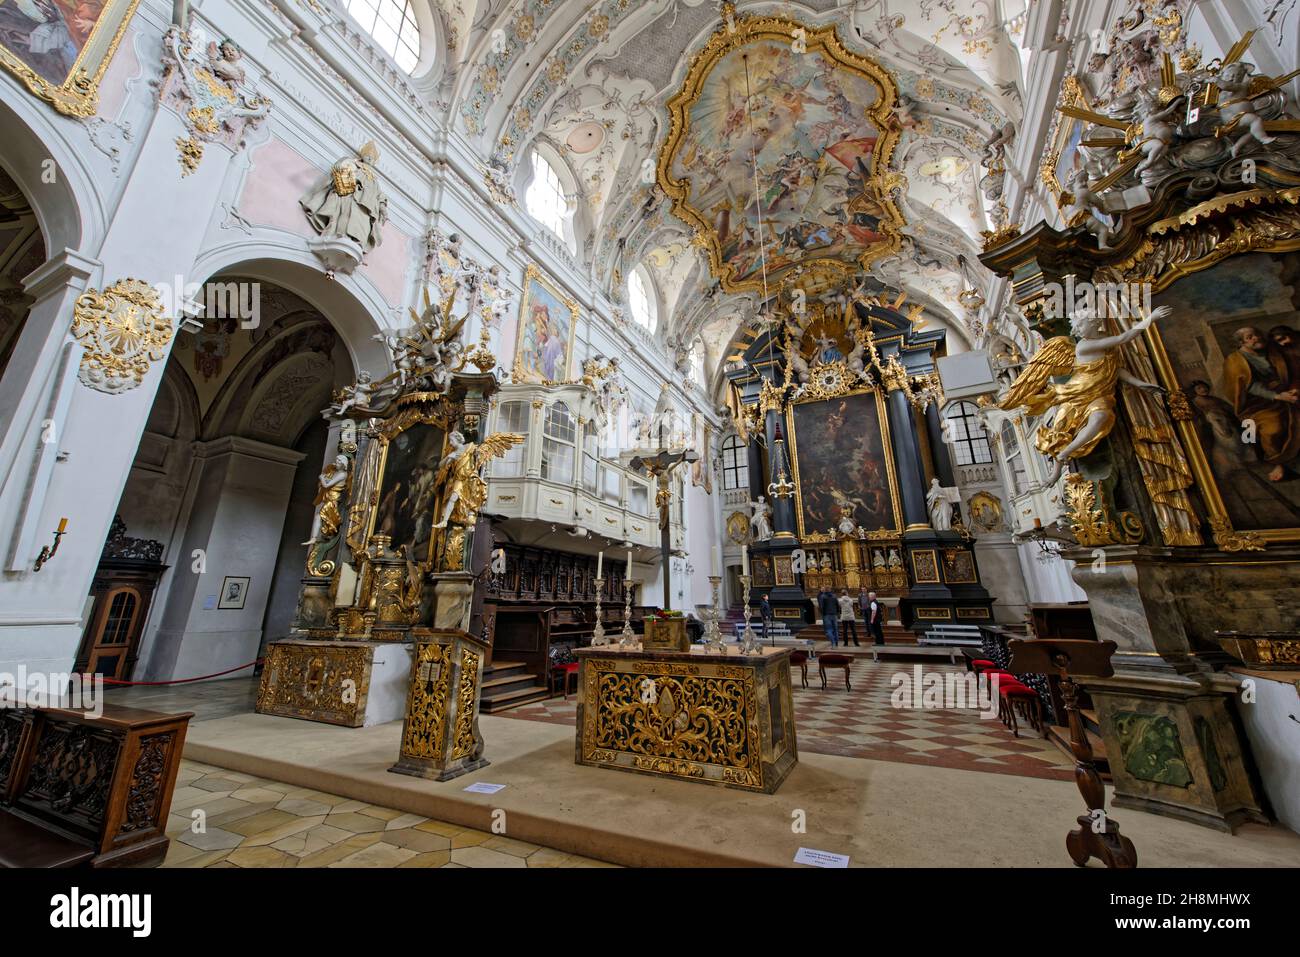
(22, 250)
(225, 477)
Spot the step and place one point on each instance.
(505, 668)
(497, 706)
(513, 695)
(509, 682)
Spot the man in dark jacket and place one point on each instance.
(830, 611)
(873, 610)
(765, 611)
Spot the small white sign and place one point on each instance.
(815, 858)
(482, 787)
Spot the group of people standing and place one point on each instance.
(841, 610)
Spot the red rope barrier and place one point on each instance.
(183, 681)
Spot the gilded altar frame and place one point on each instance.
(78, 93)
(1252, 221)
(534, 273)
(746, 30)
(886, 441)
(420, 408)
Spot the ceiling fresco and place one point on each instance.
(816, 120)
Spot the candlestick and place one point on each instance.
(712, 633)
(628, 640)
(748, 641)
(598, 639)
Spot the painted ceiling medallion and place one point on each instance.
(817, 120)
(124, 331)
(586, 137)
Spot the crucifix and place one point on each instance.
(660, 467)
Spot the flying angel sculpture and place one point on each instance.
(1085, 402)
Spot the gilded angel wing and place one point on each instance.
(496, 445)
(1032, 390)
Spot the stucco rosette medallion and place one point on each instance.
(124, 332)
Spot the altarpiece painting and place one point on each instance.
(842, 458)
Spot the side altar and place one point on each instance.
(392, 568)
(693, 715)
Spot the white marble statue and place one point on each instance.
(941, 501)
(761, 519)
(1237, 106)
(1089, 202)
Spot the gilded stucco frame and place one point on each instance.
(78, 94)
(1254, 221)
(518, 373)
(886, 441)
(747, 30)
(1072, 94)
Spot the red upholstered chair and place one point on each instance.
(1016, 698)
(800, 658)
(562, 674)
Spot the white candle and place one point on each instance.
(628, 574)
(600, 564)
(744, 559)
(717, 560)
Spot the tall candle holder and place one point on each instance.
(628, 639)
(598, 639)
(749, 644)
(712, 633)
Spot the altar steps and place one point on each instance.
(509, 684)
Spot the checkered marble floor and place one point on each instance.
(255, 822)
(863, 723)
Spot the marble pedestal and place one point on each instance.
(691, 715)
(1169, 720)
(440, 733)
(352, 683)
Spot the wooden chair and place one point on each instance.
(800, 658)
(826, 660)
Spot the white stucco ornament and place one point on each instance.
(123, 331)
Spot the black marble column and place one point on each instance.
(907, 462)
(938, 448)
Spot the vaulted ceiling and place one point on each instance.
(593, 81)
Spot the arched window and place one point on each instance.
(512, 417)
(640, 299)
(560, 432)
(392, 24)
(966, 435)
(735, 464)
(545, 197)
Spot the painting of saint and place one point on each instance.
(406, 497)
(547, 320)
(804, 119)
(48, 35)
(840, 460)
(1233, 342)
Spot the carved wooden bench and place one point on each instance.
(81, 791)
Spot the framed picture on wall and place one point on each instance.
(548, 321)
(234, 592)
(61, 49)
